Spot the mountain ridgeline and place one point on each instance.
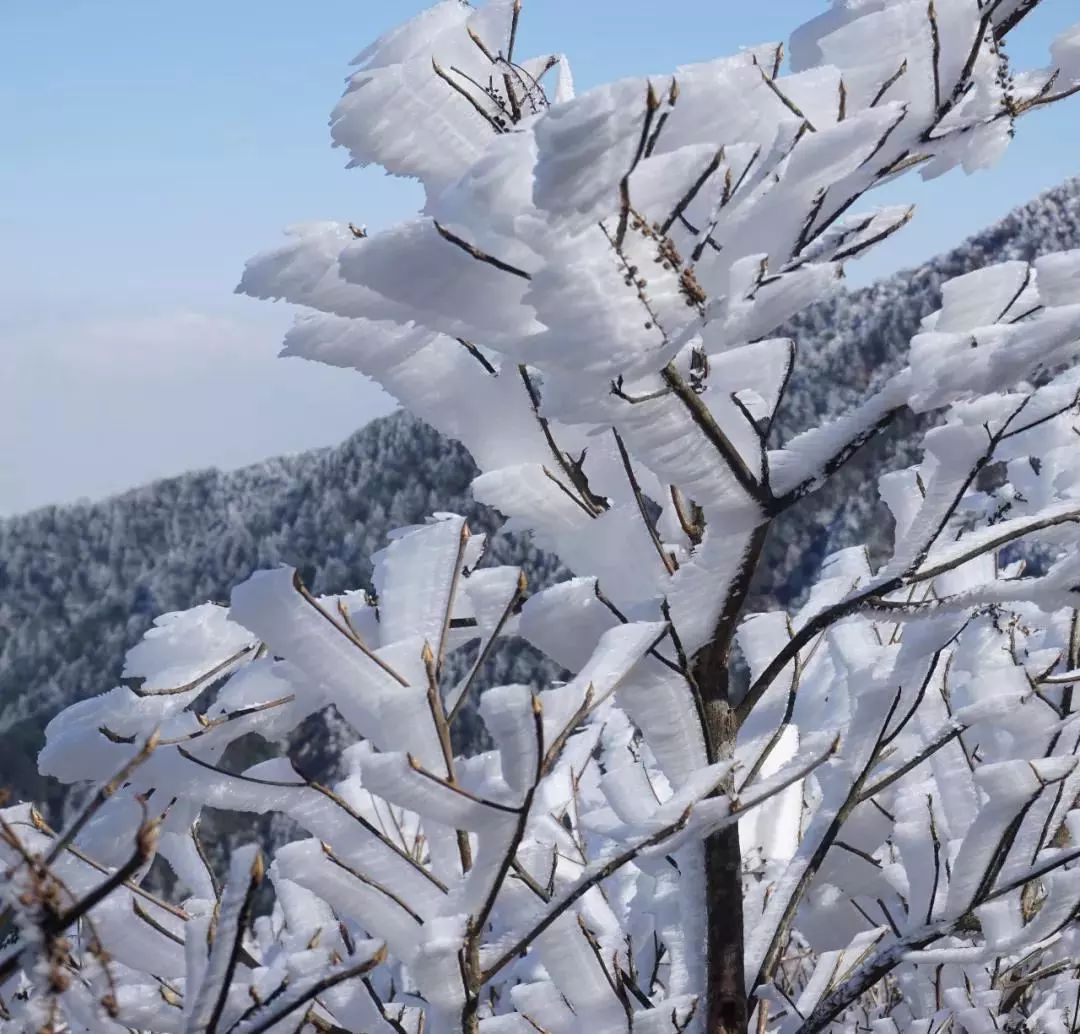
(80, 584)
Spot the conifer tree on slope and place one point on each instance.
(879, 833)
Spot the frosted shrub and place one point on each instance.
(876, 832)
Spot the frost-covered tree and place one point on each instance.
(876, 832)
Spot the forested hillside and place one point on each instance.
(79, 584)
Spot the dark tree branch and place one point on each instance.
(481, 256)
(665, 558)
(236, 949)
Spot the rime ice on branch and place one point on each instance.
(877, 831)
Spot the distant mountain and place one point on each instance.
(79, 584)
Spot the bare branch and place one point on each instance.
(588, 500)
(136, 684)
(652, 104)
(707, 424)
(666, 558)
(770, 82)
(304, 994)
(486, 650)
(367, 881)
(346, 630)
(481, 256)
(695, 188)
(462, 92)
(255, 878)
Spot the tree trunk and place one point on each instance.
(727, 1010)
(727, 1013)
(726, 987)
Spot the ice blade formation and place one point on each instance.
(590, 302)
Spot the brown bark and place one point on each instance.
(727, 1010)
(726, 989)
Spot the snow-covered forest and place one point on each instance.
(793, 760)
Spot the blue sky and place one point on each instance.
(150, 148)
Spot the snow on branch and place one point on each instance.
(861, 814)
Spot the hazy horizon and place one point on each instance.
(158, 149)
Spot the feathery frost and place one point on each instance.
(877, 830)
